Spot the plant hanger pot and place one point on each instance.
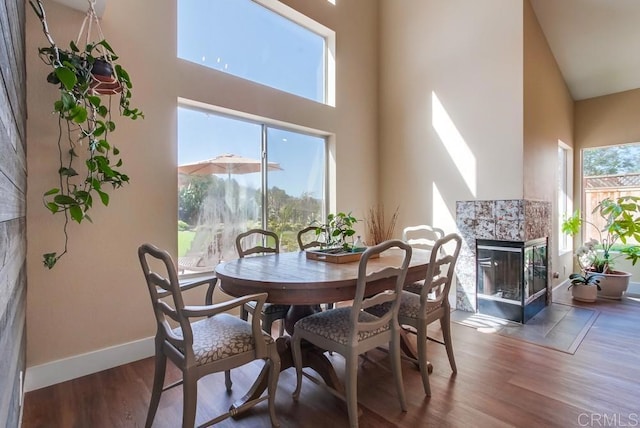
(102, 67)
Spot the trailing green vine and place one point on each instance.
(84, 122)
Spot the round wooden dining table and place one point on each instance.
(293, 279)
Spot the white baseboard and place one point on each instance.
(92, 362)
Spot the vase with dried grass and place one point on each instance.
(378, 229)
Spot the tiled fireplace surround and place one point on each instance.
(505, 220)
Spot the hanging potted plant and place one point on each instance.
(87, 75)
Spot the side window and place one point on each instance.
(565, 194)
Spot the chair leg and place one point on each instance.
(297, 361)
(189, 397)
(267, 323)
(227, 380)
(396, 368)
(244, 314)
(422, 358)
(274, 373)
(445, 324)
(351, 388)
(158, 382)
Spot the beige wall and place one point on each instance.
(606, 121)
(470, 55)
(548, 118)
(95, 296)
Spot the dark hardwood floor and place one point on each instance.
(501, 382)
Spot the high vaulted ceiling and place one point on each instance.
(595, 42)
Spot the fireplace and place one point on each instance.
(511, 278)
(505, 222)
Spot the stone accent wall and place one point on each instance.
(13, 187)
(505, 220)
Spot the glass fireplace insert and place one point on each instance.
(512, 278)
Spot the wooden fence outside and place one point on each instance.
(598, 188)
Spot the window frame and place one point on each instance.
(265, 124)
(565, 196)
(328, 54)
(325, 32)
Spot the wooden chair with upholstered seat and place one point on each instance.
(350, 331)
(422, 236)
(216, 342)
(308, 238)
(257, 242)
(432, 304)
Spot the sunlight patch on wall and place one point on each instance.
(442, 215)
(454, 143)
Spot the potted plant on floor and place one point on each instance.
(584, 286)
(621, 223)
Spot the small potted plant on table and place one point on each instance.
(337, 235)
(337, 230)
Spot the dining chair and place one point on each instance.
(422, 236)
(308, 238)
(432, 304)
(216, 342)
(257, 242)
(350, 331)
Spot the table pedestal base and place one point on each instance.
(312, 357)
(409, 349)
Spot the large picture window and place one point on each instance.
(234, 175)
(291, 53)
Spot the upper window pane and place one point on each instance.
(246, 39)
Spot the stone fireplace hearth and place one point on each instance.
(505, 220)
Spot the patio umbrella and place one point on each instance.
(226, 164)
(228, 211)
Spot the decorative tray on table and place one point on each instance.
(336, 255)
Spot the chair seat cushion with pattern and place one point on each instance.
(269, 308)
(409, 306)
(219, 337)
(334, 325)
(414, 287)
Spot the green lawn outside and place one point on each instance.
(184, 241)
(288, 241)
